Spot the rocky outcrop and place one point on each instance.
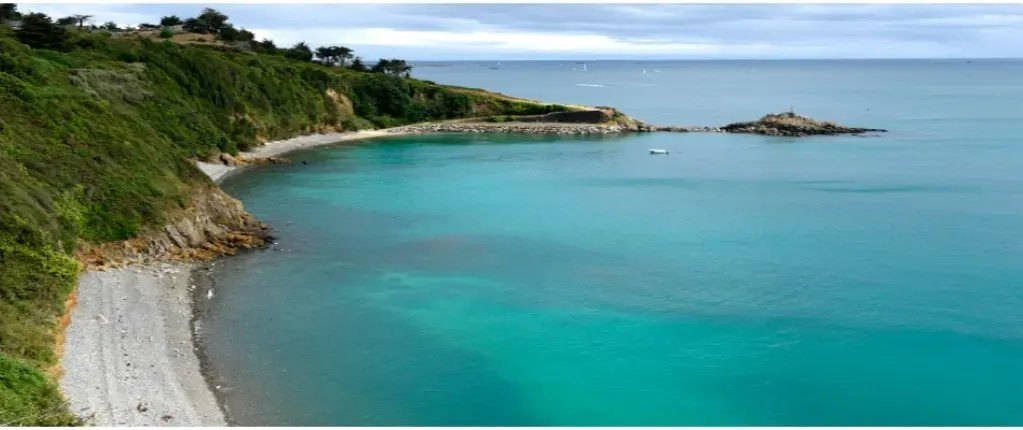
(647, 128)
(214, 224)
(790, 124)
(244, 160)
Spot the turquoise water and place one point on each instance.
(741, 280)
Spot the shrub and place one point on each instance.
(166, 33)
(95, 146)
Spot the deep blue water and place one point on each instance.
(741, 280)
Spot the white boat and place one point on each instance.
(659, 151)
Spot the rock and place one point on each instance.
(528, 128)
(213, 224)
(790, 124)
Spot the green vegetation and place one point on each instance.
(502, 118)
(334, 55)
(170, 21)
(97, 131)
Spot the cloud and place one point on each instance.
(594, 31)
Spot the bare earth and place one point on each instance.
(129, 358)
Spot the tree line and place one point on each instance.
(38, 30)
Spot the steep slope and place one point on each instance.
(96, 150)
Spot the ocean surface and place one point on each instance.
(740, 280)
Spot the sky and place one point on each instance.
(421, 32)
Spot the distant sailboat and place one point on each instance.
(584, 67)
(644, 71)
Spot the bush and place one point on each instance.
(96, 142)
(166, 33)
(38, 31)
(29, 398)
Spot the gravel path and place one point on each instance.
(129, 358)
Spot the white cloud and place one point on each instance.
(100, 13)
(501, 42)
(536, 31)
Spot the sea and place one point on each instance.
(517, 280)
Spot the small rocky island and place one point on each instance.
(791, 124)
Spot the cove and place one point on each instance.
(528, 280)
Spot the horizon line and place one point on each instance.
(720, 59)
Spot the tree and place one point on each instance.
(334, 55)
(170, 21)
(300, 52)
(394, 67)
(324, 53)
(110, 26)
(210, 21)
(227, 33)
(245, 36)
(266, 46)
(192, 25)
(8, 12)
(81, 19)
(214, 20)
(38, 31)
(381, 66)
(345, 54)
(358, 66)
(67, 21)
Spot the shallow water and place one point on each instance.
(741, 280)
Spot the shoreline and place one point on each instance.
(203, 282)
(123, 360)
(218, 172)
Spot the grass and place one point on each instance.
(96, 143)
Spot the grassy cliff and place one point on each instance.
(96, 145)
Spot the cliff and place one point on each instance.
(97, 143)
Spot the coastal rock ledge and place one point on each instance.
(791, 124)
(530, 128)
